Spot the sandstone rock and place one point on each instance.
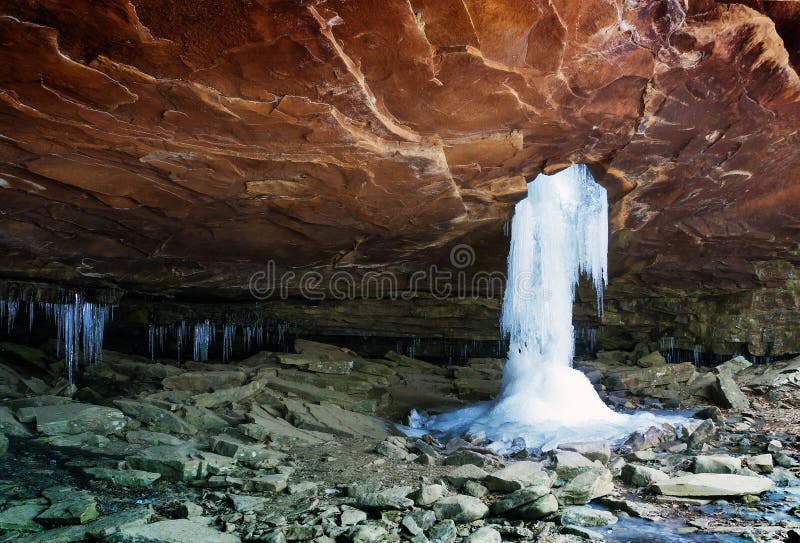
(68, 506)
(391, 451)
(726, 393)
(593, 450)
(586, 516)
(465, 456)
(634, 508)
(652, 437)
(485, 534)
(733, 366)
(333, 419)
(428, 494)
(586, 486)
(517, 475)
(467, 472)
(266, 427)
(642, 476)
(714, 485)
(228, 395)
(204, 381)
(443, 532)
(546, 505)
(143, 437)
(651, 360)
(303, 488)
(518, 498)
(130, 478)
(20, 518)
(761, 463)
(367, 533)
(251, 456)
(717, 464)
(460, 508)
(172, 531)
(389, 498)
(3, 445)
(154, 417)
(274, 483)
(183, 463)
(352, 516)
(74, 418)
(99, 529)
(475, 489)
(703, 434)
(10, 426)
(568, 464)
(244, 503)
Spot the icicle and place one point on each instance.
(202, 339)
(30, 315)
(228, 334)
(151, 343)
(13, 308)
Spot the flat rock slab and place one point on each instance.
(172, 531)
(204, 381)
(184, 463)
(333, 419)
(130, 478)
(74, 418)
(713, 485)
(154, 417)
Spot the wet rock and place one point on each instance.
(460, 508)
(183, 463)
(204, 381)
(518, 498)
(713, 485)
(20, 518)
(3, 445)
(465, 456)
(634, 508)
(586, 486)
(467, 472)
(726, 393)
(568, 464)
(485, 534)
(717, 464)
(713, 412)
(443, 532)
(172, 531)
(74, 418)
(586, 516)
(252, 456)
(652, 437)
(761, 463)
(583, 534)
(516, 476)
(154, 417)
(131, 478)
(642, 476)
(333, 419)
(99, 529)
(427, 495)
(593, 450)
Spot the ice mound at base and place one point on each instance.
(559, 232)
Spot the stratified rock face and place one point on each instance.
(168, 144)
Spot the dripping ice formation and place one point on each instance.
(559, 232)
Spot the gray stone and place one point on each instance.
(427, 495)
(224, 396)
(568, 464)
(391, 451)
(467, 472)
(460, 508)
(651, 360)
(714, 485)
(251, 456)
(244, 503)
(593, 450)
(726, 393)
(274, 483)
(465, 456)
(733, 366)
(143, 437)
(586, 516)
(99, 529)
(333, 419)
(516, 476)
(20, 518)
(425, 518)
(303, 488)
(583, 534)
(131, 478)
(443, 532)
(642, 476)
(546, 505)
(10, 426)
(184, 463)
(411, 525)
(367, 533)
(301, 532)
(485, 534)
(761, 463)
(703, 434)
(475, 489)
(389, 498)
(585, 487)
(74, 418)
(172, 531)
(3, 445)
(717, 463)
(267, 427)
(204, 381)
(518, 498)
(68, 506)
(633, 508)
(155, 418)
(352, 516)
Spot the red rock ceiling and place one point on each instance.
(165, 143)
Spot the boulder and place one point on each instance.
(733, 366)
(714, 485)
(229, 395)
(389, 498)
(726, 393)
(427, 495)
(155, 418)
(518, 498)
(652, 360)
(130, 478)
(761, 463)
(332, 419)
(717, 463)
(267, 427)
(467, 472)
(20, 518)
(443, 532)
(568, 464)
(172, 531)
(204, 381)
(485, 534)
(516, 476)
(586, 516)
(704, 433)
(460, 508)
(642, 476)
(74, 418)
(182, 463)
(546, 505)
(593, 450)
(594, 483)
(68, 506)
(251, 456)
(273, 483)
(10, 426)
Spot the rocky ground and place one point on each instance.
(301, 447)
